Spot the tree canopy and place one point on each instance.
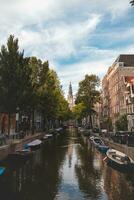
(122, 124)
(88, 94)
(29, 84)
(14, 76)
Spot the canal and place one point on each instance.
(65, 169)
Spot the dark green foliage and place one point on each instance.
(88, 94)
(122, 124)
(107, 124)
(14, 76)
(29, 84)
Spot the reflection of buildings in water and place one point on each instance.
(72, 131)
(37, 158)
(70, 153)
(116, 185)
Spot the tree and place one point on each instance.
(14, 77)
(107, 124)
(79, 111)
(53, 104)
(38, 78)
(122, 124)
(88, 94)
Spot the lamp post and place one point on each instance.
(17, 119)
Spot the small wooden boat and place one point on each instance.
(2, 170)
(21, 155)
(35, 144)
(45, 137)
(119, 159)
(49, 135)
(91, 138)
(59, 130)
(103, 148)
(97, 142)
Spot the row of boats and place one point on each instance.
(113, 157)
(28, 150)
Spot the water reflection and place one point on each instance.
(65, 169)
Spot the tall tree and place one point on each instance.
(39, 72)
(14, 77)
(88, 94)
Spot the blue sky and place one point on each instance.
(78, 37)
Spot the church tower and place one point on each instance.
(70, 97)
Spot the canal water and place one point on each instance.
(65, 168)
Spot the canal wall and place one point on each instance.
(17, 144)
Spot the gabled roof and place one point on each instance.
(127, 59)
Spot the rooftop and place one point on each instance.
(127, 59)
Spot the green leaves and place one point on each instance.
(14, 76)
(122, 124)
(88, 95)
(28, 83)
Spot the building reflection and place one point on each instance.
(118, 185)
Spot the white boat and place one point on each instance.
(119, 159)
(91, 138)
(19, 155)
(49, 135)
(97, 141)
(35, 144)
(45, 137)
(59, 129)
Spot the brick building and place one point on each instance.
(114, 86)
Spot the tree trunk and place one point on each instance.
(90, 116)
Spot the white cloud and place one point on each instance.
(60, 40)
(55, 29)
(76, 72)
(104, 58)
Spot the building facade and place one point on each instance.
(70, 97)
(116, 101)
(97, 117)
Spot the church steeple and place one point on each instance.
(70, 96)
(70, 93)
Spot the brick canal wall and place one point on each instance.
(17, 145)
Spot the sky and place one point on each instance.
(78, 37)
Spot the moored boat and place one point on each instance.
(2, 170)
(103, 148)
(21, 155)
(48, 135)
(35, 144)
(119, 159)
(59, 130)
(91, 138)
(97, 142)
